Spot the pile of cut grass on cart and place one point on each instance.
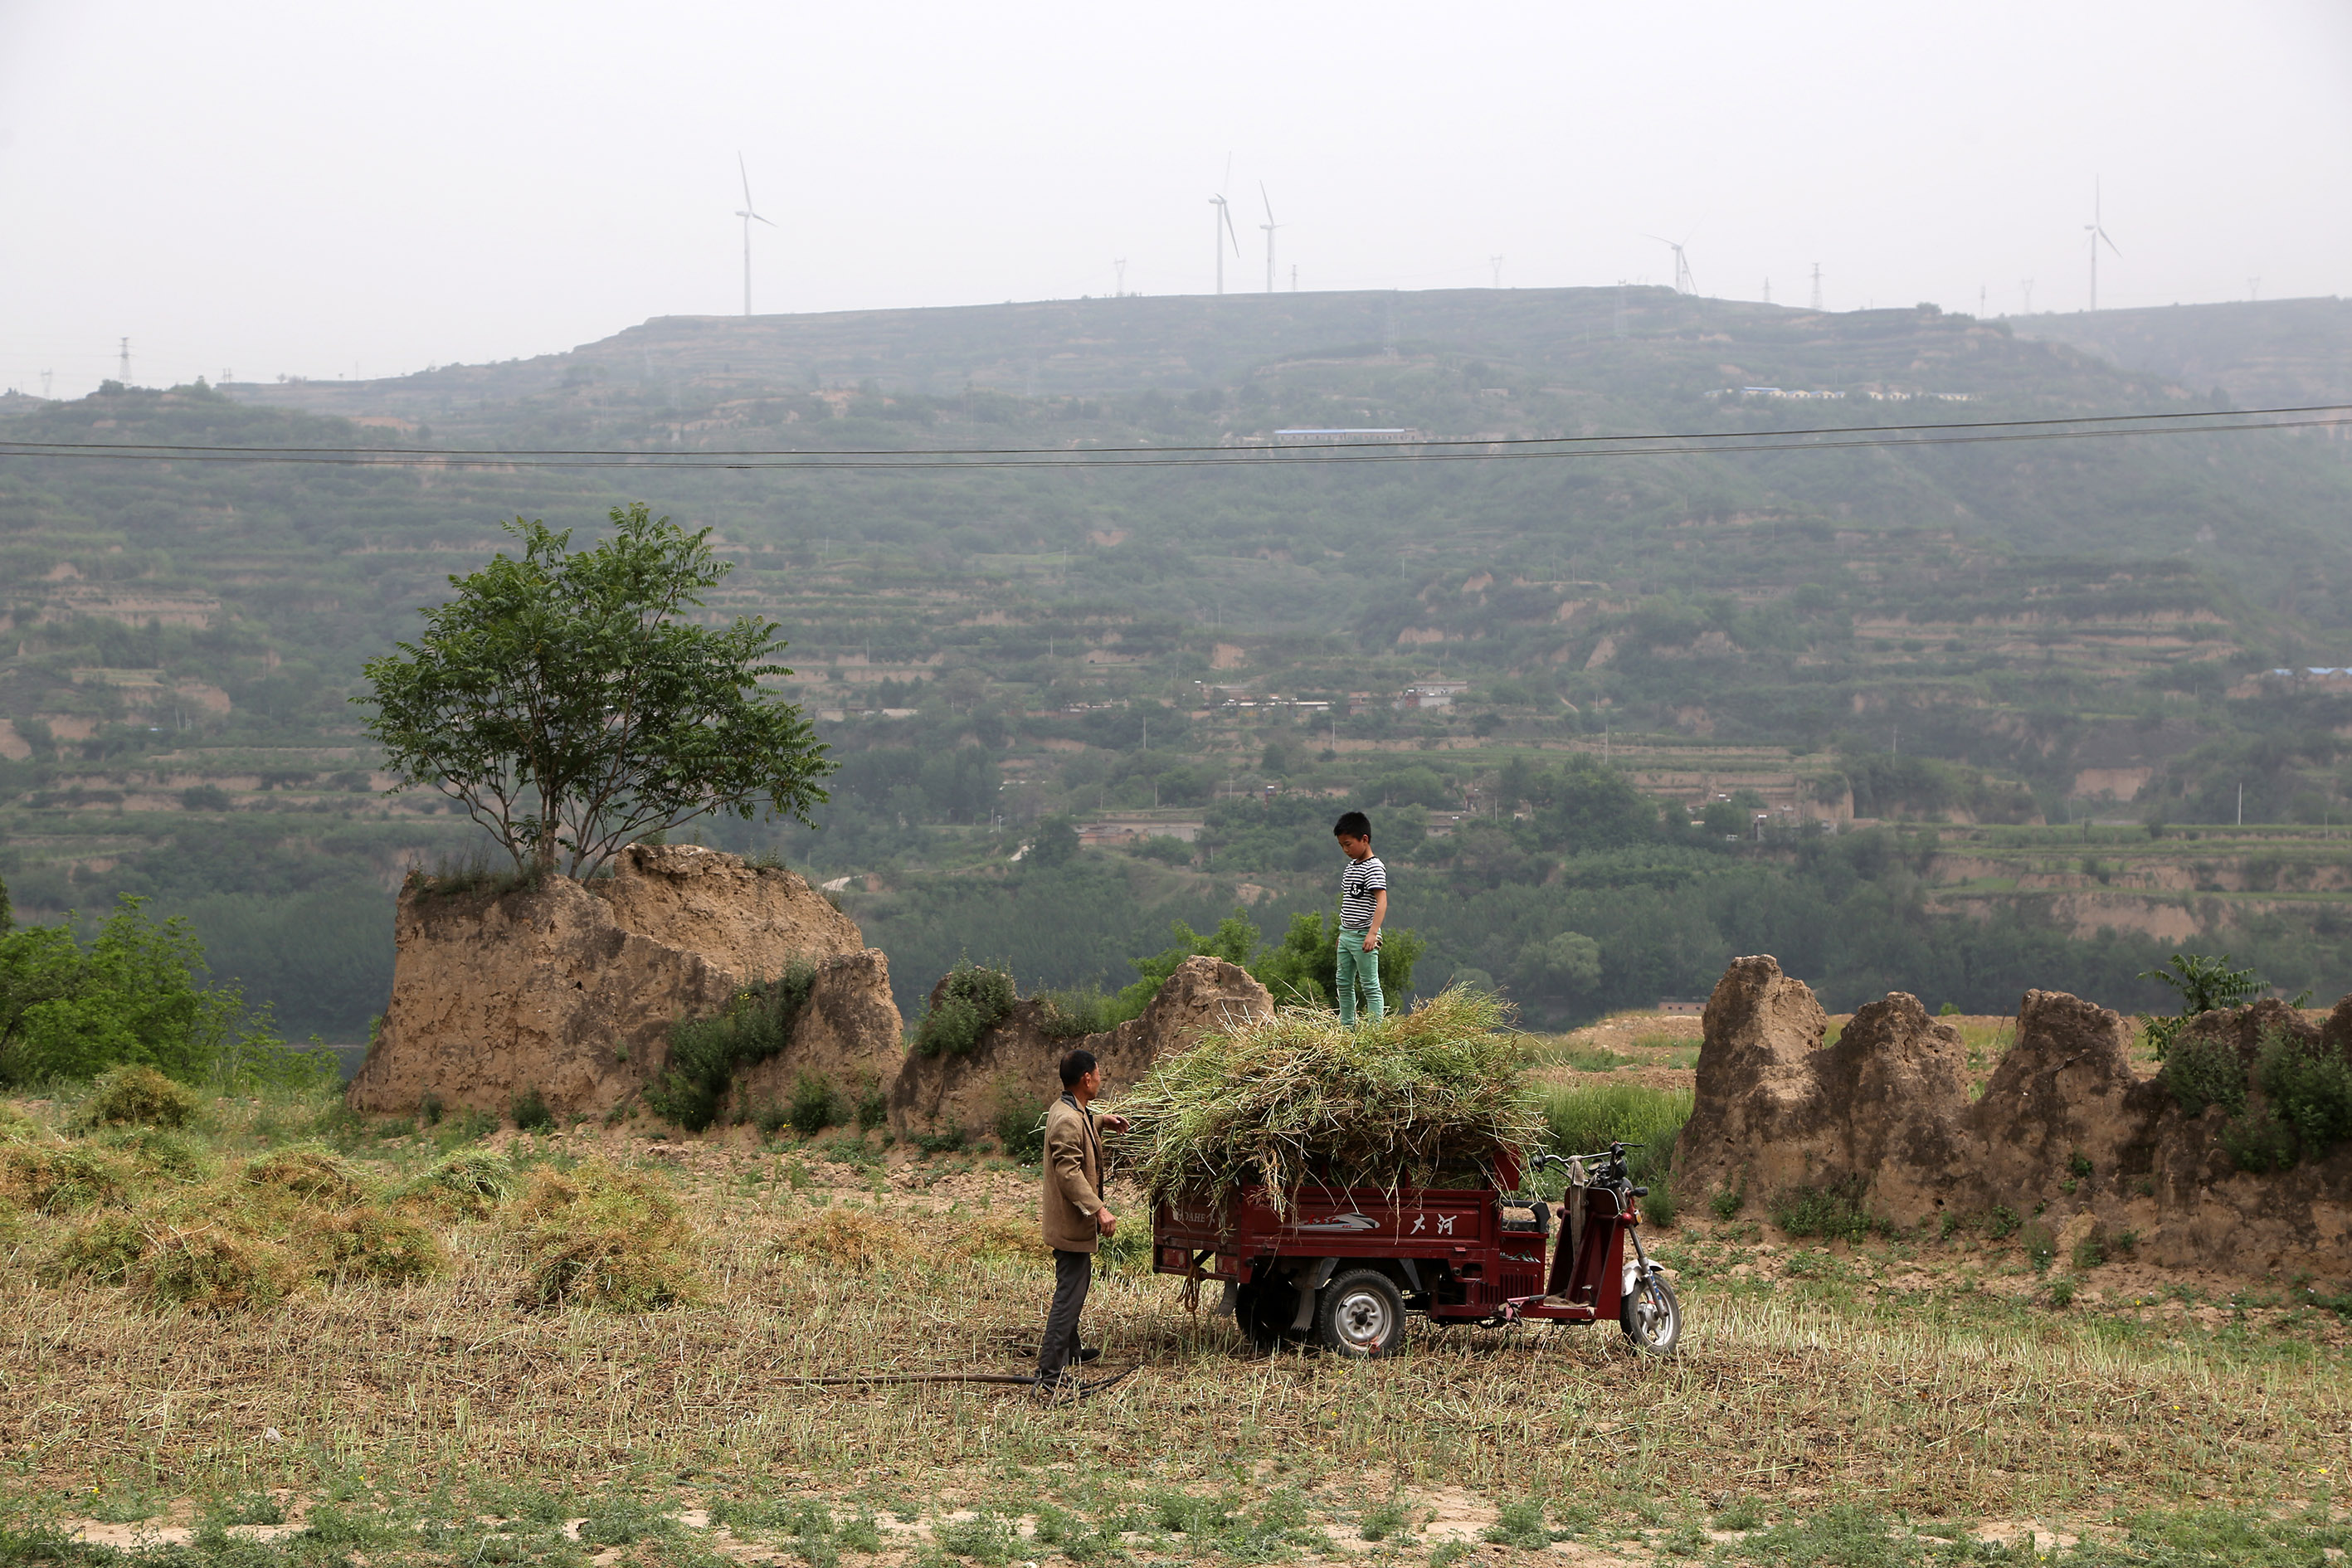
(1297, 1097)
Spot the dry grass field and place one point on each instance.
(592, 1355)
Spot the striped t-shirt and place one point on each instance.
(1363, 879)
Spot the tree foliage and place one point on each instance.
(134, 996)
(567, 702)
(2204, 985)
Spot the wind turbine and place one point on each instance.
(2097, 235)
(1269, 225)
(749, 217)
(1223, 224)
(1684, 282)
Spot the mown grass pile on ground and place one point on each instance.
(1296, 1097)
(602, 1234)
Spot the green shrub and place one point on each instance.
(530, 1111)
(1836, 1212)
(2308, 1085)
(16, 1127)
(1020, 1124)
(135, 1094)
(1726, 1202)
(817, 1105)
(947, 1140)
(2202, 1070)
(136, 994)
(2259, 1142)
(2040, 1244)
(971, 1000)
(1520, 1523)
(2003, 1223)
(706, 1054)
(2205, 986)
(873, 1103)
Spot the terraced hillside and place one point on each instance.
(1989, 634)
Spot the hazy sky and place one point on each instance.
(325, 189)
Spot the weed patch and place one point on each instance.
(1836, 1212)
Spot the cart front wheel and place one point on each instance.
(1362, 1315)
(1651, 1316)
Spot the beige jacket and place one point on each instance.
(1073, 1185)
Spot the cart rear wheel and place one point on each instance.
(1362, 1314)
(1651, 1316)
(1264, 1308)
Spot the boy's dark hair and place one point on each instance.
(1075, 1065)
(1353, 825)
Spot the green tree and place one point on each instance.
(2204, 985)
(567, 704)
(1567, 966)
(135, 995)
(1055, 842)
(1303, 968)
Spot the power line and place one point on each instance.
(1687, 443)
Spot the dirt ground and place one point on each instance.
(1878, 1402)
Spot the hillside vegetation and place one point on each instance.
(2020, 638)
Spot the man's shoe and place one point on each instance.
(1089, 1353)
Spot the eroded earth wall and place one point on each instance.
(571, 987)
(2069, 1130)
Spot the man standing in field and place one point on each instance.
(1076, 1218)
(1363, 907)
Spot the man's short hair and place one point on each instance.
(1353, 824)
(1075, 1065)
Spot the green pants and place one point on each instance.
(1356, 964)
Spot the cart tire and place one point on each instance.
(1651, 1316)
(1264, 1310)
(1362, 1315)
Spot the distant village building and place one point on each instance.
(1428, 694)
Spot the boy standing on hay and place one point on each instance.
(1363, 906)
(1076, 1218)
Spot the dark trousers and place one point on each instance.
(1073, 1272)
